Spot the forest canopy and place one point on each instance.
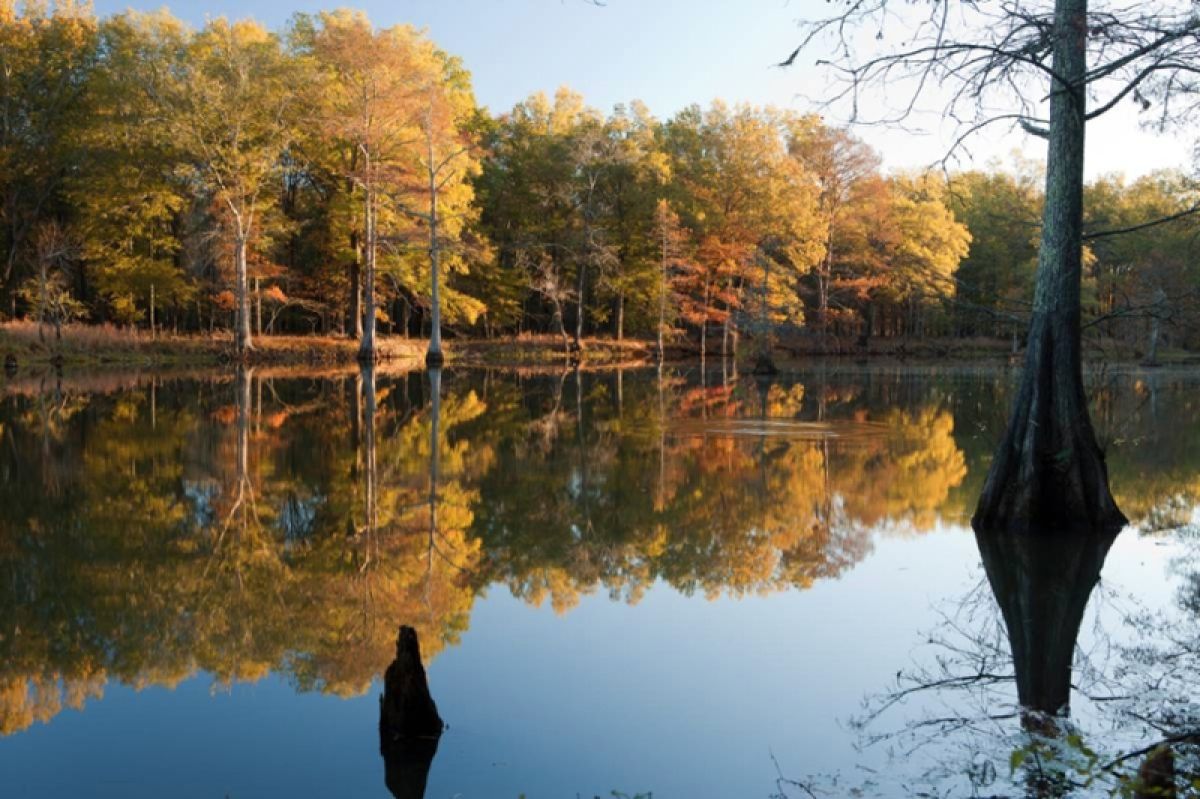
(304, 180)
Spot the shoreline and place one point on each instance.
(107, 347)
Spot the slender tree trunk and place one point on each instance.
(42, 290)
(580, 285)
(366, 349)
(1048, 473)
(619, 316)
(355, 328)
(662, 304)
(434, 357)
(560, 324)
(257, 306)
(725, 333)
(1160, 297)
(153, 327)
(242, 337)
(824, 274)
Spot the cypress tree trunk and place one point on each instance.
(1049, 472)
(434, 357)
(366, 349)
(580, 286)
(242, 338)
(355, 327)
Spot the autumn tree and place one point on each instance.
(737, 187)
(127, 193)
(844, 168)
(446, 160)
(46, 57)
(366, 101)
(672, 241)
(229, 102)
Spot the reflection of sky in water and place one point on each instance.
(679, 695)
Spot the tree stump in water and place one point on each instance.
(409, 724)
(10, 364)
(407, 707)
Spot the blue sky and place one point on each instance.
(668, 53)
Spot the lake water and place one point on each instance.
(624, 583)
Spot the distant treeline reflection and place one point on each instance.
(253, 523)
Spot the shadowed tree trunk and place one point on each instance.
(409, 724)
(1049, 472)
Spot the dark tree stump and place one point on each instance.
(434, 360)
(10, 364)
(407, 708)
(409, 724)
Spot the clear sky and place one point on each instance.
(668, 53)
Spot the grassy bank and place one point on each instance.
(103, 345)
(98, 345)
(92, 345)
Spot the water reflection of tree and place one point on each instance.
(266, 524)
(988, 706)
(701, 508)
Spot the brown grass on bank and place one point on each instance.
(108, 344)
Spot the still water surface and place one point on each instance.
(628, 582)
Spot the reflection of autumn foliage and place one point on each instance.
(188, 539)
(243, 528)
(720, 489)
(911, 483)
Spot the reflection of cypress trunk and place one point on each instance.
(660, 498)
(243, 425)
(1042, 584)
(371, 503)
(1048, 472)
(435, 388)
(409, 724)
(585, 491)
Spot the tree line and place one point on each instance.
(340, 178)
